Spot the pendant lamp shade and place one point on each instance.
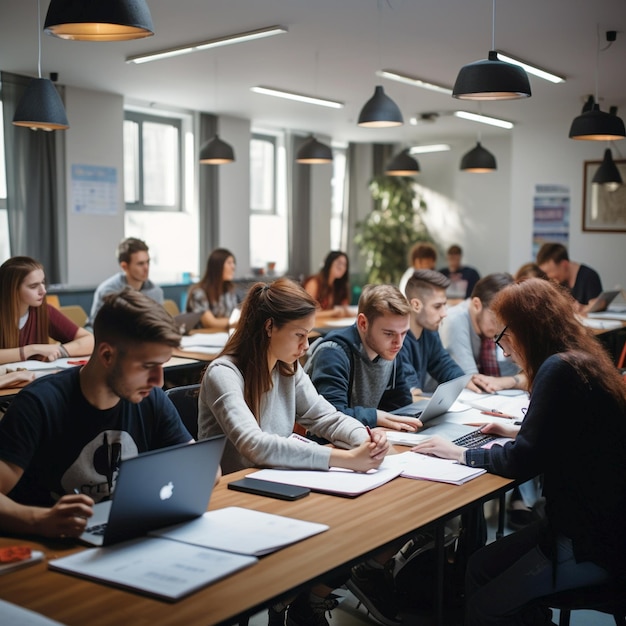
(491, 79)
(380, 111)
(403, 164)
(40, 107)
(478, 161)
(99, 20)
(596, 125)
(607, 173)
(216, 152)
(313, 152)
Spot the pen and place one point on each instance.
(77, 362)
(369, 432)
(497, 413)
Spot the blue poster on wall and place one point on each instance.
(94, 190)
(551, 215)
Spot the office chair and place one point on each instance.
(609, 598)
(171, 307)
(76, 313)
(185, 399)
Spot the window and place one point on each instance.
(338, 212)
(152, 162)
(263, 174)
(5, 250)
(268, 203)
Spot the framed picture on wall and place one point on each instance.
(604, 207)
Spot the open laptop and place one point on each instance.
(187, 321)
(157, 489)
(602, 302)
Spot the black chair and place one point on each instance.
(609, 598)
(185, 399)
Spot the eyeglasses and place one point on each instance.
(498, 338)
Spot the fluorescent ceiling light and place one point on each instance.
(434, 147)
(298, 97)
(205, 45)
(483, 119)
(413, 81)
(531, 69)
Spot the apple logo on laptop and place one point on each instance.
(166, 491)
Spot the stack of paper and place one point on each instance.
(204, 342)
(514, 403)
(415, 465)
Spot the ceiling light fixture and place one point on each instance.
(478, 161)
(99, 20)
(484, 119)
(593, 124)
(608, 174)
(531, 69)
(491, 78)
(380, 111)
(40, 107)
(403, 164)
(216, 152)
(298, 97)
(313, 152)
(434, 147)
(414, 81)
(227, 40)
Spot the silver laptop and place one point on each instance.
(436, 406)
(187, 321)
(602, 302)
(157, 489)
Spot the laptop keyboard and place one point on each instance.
(475, 439)
(97, 529)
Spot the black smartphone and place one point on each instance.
(269, 488)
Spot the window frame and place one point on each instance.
(272, 139)
(140, 118)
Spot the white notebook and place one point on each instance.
(421, 466)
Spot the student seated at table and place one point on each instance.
(529, 270)
(256, 391)
(215, 295)
(330, 286)
(27, 321)
(573, 434)
(582, 281)
(422, 347)
(63, 436)
(422, 256)
(462, 277)
(134, 258)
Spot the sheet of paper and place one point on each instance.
(158, 567)
(18, 616)
(514, 405)
(35, 366)
(335, 480)
(405, 439)
(243, 531)
(204, 340)
(414, 465)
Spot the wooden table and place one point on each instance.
(358, 527)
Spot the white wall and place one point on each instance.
(95, 137)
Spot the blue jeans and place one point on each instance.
(504, 579)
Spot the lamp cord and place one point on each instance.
(597, 61)
(493, 25)
(39, 37)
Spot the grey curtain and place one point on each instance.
(300, 213)
(208, 194)
(34, 169)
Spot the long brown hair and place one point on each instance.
(282, 301)
(12, 274)
(540, 314)
(213, 283)
(339, 292)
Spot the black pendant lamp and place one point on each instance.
(403, 164)
(314, 152)
(380, 111)
(99, 20)
(491, 78)
(596, 125)
(478, 161)
(40, 107)
(216, 152)
(607, 173)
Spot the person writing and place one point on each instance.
(573, 434)
(59, 434)
(330, 286)
(27, 322)
(215, 295)
(256, 391)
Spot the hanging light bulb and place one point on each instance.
(99, 20)
(40, 107)
(491, 78)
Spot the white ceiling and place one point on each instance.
(333, 49)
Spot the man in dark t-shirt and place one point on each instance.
(64, 435)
